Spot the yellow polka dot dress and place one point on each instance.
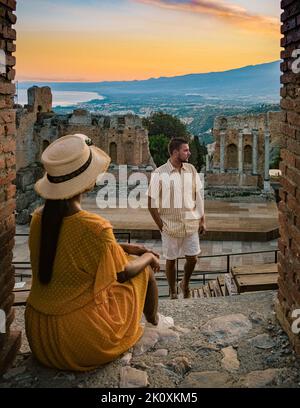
(83, 318)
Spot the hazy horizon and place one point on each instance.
(123, 40)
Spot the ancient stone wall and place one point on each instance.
(122, 137)
(39, 104)
(231, 127)
(9, 340)
(289, 206)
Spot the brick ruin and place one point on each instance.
(240, 159)
(9, 340)
(289, 208)
(122, 137)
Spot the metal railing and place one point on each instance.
(178, 275)
(227, 263)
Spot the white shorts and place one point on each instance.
(174, 248)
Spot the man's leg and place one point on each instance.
(151, 301)
(171, 277)
(188, 270)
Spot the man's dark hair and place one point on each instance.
(175, 144)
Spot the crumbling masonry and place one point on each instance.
(288, 304)
(9, 340)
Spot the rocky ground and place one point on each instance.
(218, 342)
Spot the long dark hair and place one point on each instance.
(52, 217)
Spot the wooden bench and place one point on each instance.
(250, 278)
(21, 293)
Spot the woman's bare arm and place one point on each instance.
(134, 267)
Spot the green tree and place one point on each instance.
(159, 149)
(160, 123)
(199, 151)
(161, 128)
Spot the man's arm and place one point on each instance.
(155, 214)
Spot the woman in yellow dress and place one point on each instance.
(88, 292)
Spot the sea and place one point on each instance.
(62, 98)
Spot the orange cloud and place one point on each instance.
(217, 8)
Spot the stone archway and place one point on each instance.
(248, 156)
(231, 156)
(113, 152)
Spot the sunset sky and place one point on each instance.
(97, 40)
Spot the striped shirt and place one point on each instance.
(178, 197)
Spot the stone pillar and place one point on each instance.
(9, 340)
(267, 186)
(288, 303)
(241, 152)
(207, 162)
(254, 151)
(222, 151)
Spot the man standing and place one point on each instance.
(176, 205)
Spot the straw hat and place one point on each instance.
(72, 166)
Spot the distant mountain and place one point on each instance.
(252, 81)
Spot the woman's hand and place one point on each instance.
(155, 264)
(136, 249)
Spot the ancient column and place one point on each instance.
(241, 152)
(222, 151)
(254, 151)
(207, 162)
(267, 159)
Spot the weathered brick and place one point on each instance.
(10, 60)
(7, 177)
(287, 104)
(293, 146)
(288, 186)
(292, 9)
(13, 18)
(288, 130)
(10, 193)
(11, 73)
(281, 245)
(297, 162)
(12, 4)
(282, 168)
(10, 46)
(288, 157)
(293, 175)
(293, 118)
(288, 25)
(6, 102)
(7, 88)
(292, 204)
(10, 160)
(9, 33)
(8, 146)
(7, 116)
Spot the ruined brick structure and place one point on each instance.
(240, 158)
(289, 207)
(9, 340)
(122, 137)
